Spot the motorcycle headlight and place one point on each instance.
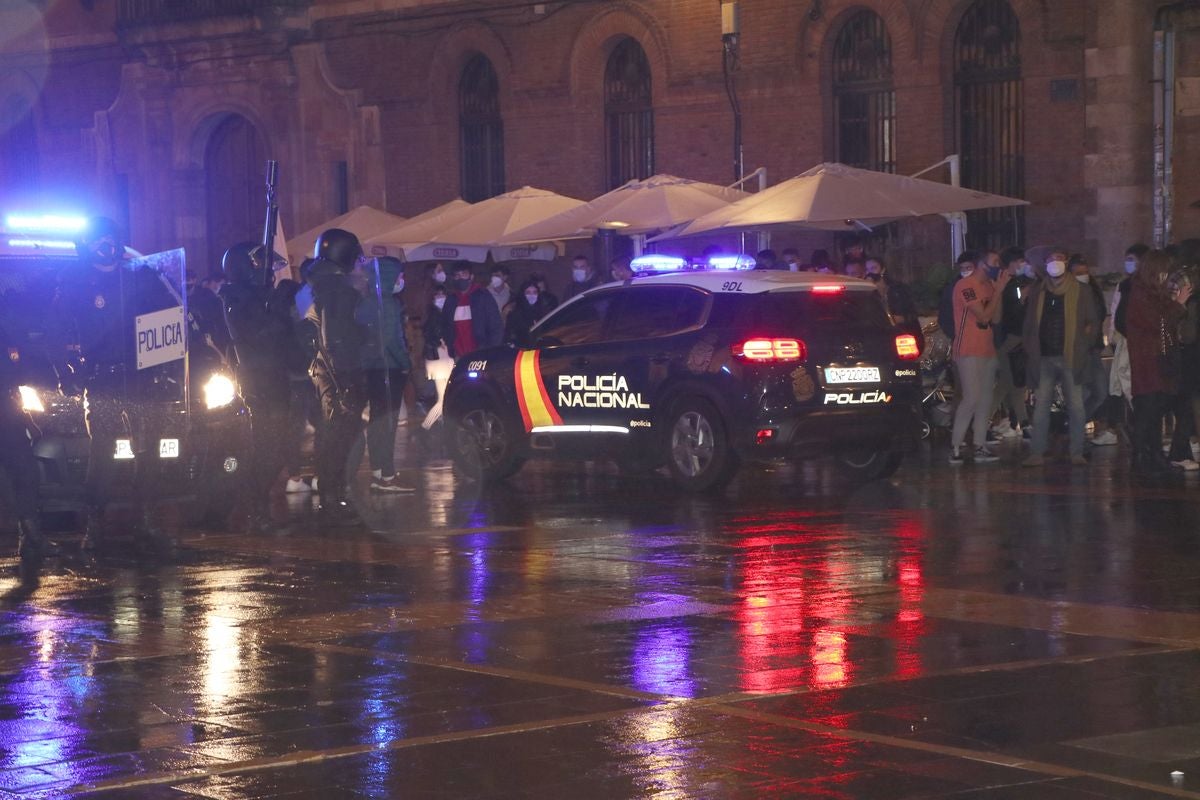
(219, 391)
(30, 399)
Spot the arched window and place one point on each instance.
(863, 97)
(481, 131)
(235, 194)
(628, 114)
(989, 120)
(18, 145)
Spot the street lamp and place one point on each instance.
(731, 29)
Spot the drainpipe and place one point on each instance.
(1164, 117)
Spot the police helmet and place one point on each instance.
(239, 263)
(339, 246)
(101, 242)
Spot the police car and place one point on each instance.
(202, 446)
(697, 371)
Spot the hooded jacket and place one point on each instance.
(382, 314)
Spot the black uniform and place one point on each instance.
(259, 339)
(96, 312)
(338, 375)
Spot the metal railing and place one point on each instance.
(150, 12)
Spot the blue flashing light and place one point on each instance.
(45, 223)
(472, 374)
(655, 262)
(42, 244)
(742, 261)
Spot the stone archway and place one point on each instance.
(234, 187)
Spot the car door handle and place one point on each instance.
(581, 361)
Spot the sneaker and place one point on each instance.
(298, 486)
(956, 456)
(984, 455)
(1002, 428)
(314, 485)
(1187, 465)
(1034, 461)
(1105, 439)
(1012, 432)
(1078, 461)
(390, 485)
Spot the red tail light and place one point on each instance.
(828, 288)
(907, 347)
(766, 350)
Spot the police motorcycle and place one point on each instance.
(177, 388)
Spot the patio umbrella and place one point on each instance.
(476, 231)
(363, 221)
(392, 240)
(837, 197)
(638, 207)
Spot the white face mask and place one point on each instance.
(497, 281)
(1056, 269)
(1026, 269)
(398, 286)
(1084, 278)
(580, 275)
(439, 277)
(1130, 266)
(440, 302)
(531, 298)
(966, 272)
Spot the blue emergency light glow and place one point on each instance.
(42, 244)
(742, 261)
(654, 262)
(45, 223)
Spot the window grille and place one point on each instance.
(481, 131)
(628, 114)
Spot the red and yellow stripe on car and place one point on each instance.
(536, 411)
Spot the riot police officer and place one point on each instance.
(17, 433)
(259, 340)
(337, 369)
(96, 306)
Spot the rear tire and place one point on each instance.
(869, 465)
(485, 445)
(698, 450)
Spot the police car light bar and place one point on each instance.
(42, 244)
(654, 262)
(45, 223)
(742, 261)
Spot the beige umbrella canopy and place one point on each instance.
(837, 197)
(363, 221)
(395, 238)
(474, 232)
(638, 207)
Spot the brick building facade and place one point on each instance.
(161, 112)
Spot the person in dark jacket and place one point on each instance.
(545, 295)
(386, 363)
(337, 369)
(1061, 321)
(1152, 332)
(582, 278)
(1095, 387)
(528, 309)
(1010, 355)
(259, 342)
(472, 313)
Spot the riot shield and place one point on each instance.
(161, 325)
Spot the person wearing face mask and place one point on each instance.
(1151, 329)
(1061, 323)
(1010, 356)
(527, 310)
(498, 287)
(386, 364)
(582, 278)
(95, 312)
(620, 269)
(897, 299)
(472, 313)
(855, 268)
(964, 266)
(820, 262)
(548, 298)
(1119, 377)
(791, 259)
(1095, 386)
(976, 308)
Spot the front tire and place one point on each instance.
(867, 464)
(698, 451)
(485, 445)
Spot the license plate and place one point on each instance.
(852, 374)
(168, 448)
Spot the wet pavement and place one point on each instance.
(970, 632)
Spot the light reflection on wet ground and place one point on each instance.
(981, 633)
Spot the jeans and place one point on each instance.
(385, 393)
(1186, 404)
(1095, 386)
(1148, 413)
(1007, 393)
(976, 383)
(1054, 371)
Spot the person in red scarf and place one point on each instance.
(471, 313)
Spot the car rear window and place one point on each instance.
(778, 310)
